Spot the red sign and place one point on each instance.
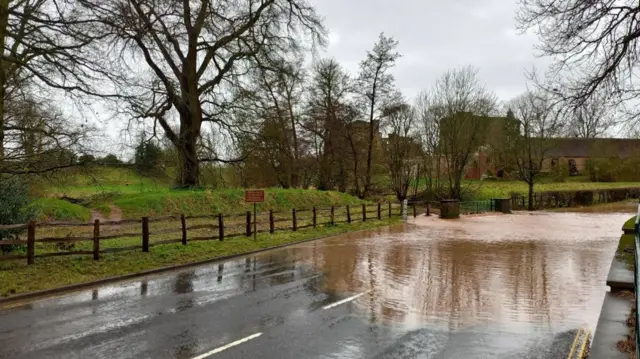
(254, 195)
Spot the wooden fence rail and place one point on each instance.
(299, 219)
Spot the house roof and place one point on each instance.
(594, 147)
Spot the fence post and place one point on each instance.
(271, 226)
(348, 215)
(364, 212)
(314, 217)
(414, 211)
(379, 210)
(96, 240)
(31, 242)
(332, 218)
(389, 209)
(248, 223)
(220, 227)
(145, 234)
(295, 222)
(183, 223)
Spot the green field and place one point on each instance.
(502, 189)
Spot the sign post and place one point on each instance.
(254, 196)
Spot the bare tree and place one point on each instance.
(194, 53)
(593, 118)
(39, 139)
(429, 124)
(457, 107)
(402, 148)
(593, 44)
(376, 86)
(328, 112)
(537, 121)
(45, 46)
(272, 104)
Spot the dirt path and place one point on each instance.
(115, 215)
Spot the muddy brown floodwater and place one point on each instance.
(529, 273)
(491, 286)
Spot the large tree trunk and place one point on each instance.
(189, 171)
(367, 180)
(531, 195)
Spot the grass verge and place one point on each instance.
(625, 250)
(629, 224)
(16, 277)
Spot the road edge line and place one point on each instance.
(227, 346)
(345, 300)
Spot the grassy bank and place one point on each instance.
(502, 189)
(16, 277)
(194, 202)
(48, 209)
(188, 202)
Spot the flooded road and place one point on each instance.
(512, 286)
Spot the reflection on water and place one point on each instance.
(544, 270)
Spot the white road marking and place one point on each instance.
(230, 345)
(347, 300)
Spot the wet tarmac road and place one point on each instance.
(514, 286)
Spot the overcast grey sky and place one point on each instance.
(434, 36)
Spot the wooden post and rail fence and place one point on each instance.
(216, 231)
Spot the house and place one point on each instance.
(576, 152)
(487, 133)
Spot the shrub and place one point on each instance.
(560, 172)
(615, 170)
(14, 197)
(111, 160)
